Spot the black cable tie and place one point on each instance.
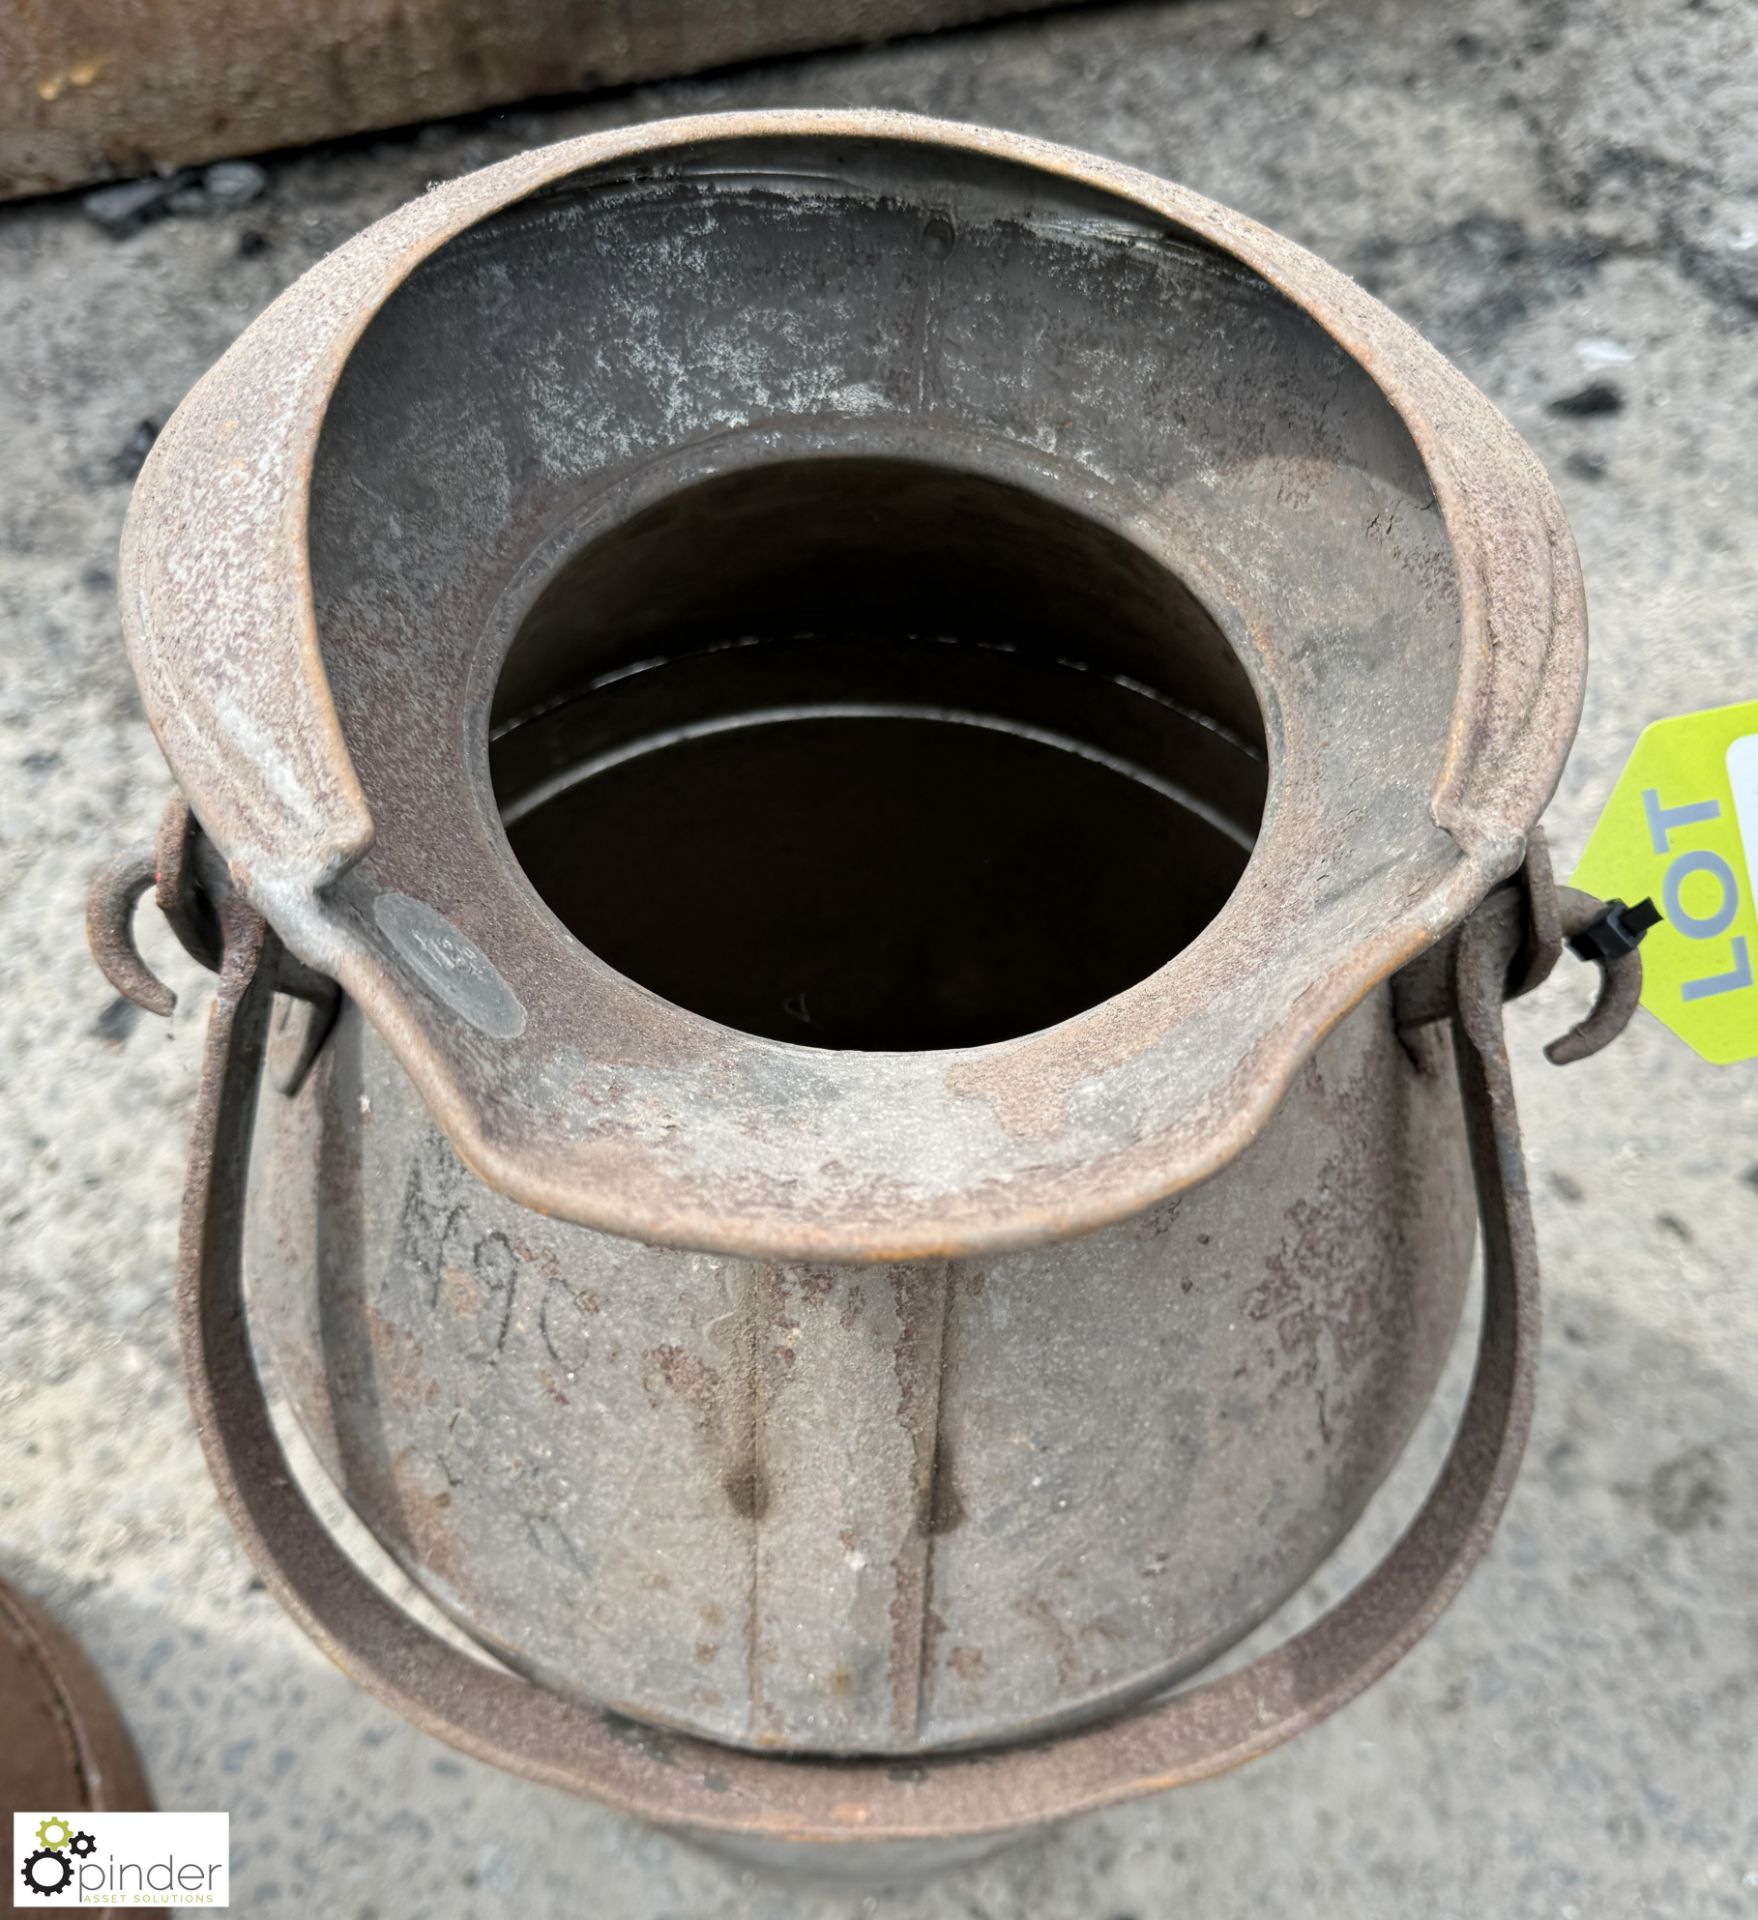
(1616, 931)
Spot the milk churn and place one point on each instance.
(865, 793)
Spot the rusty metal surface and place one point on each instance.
(1185, 1737)
(1620, 989)
(115, 891)
(1548, 916)
(185, 876)
(728, 1387)
(181, 852)
(63, 1748)
(94, 89)
(1282, 428)
(858, 1508)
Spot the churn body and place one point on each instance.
(862, 714)
(875, 1508)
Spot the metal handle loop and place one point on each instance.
(497, 1716)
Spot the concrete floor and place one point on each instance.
(1553, 191)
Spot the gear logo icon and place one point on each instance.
(47, 1870)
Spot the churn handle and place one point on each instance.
(1187, 1736)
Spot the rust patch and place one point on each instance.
(945, 1508)
(815, 1284)
(688, 1376)
(921, 1295)
(1067, 1655)
(746, 1487)
(422, 1512)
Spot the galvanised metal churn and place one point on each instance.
(870, 789)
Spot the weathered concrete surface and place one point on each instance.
(1556, 193)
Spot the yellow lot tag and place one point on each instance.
(1681, 827)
